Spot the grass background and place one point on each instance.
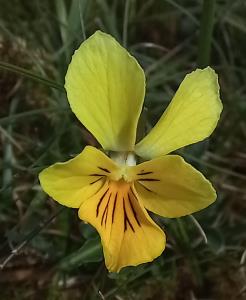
(59, 257)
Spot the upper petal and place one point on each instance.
(129, 236)
(71, 182)
(170, 187)
(191, 116)
(105, 88)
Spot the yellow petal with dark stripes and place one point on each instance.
(191, 116)
(129, 236)
(71, 182)
(105, 88)
(171, 187)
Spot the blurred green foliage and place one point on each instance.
(63, 257)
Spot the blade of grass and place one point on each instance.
(29, 237)
(199, 227)
(237, 22)
(81, 15)
(9, 137)
(206, 33)
(73, 16)
(9, 119)
(61, 12)
(214, 167)
(125, 23)
(8, 155)
(29, 74)
(109, 22)
(183, 10)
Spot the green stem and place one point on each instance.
(206, 32)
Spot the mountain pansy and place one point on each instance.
(105, 88)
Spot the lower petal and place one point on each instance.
(172, 188)
(129, 236)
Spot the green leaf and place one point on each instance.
(91, 251)
(88, 231)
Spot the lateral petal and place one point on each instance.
(191, 116)
(170, 187)
(71, 182)
(105, 87)
(129, 236)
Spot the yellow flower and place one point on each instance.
(105, 87)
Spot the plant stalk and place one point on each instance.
(206, 33)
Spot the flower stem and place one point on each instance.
(206, 32)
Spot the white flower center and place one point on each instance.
(124, 160)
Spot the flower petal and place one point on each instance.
(129, 236)
(105, 88)
(191, 116)
(71, 182)
(172, 188)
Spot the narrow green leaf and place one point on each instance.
(31, 113)
(29, 74)
(91, 251)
